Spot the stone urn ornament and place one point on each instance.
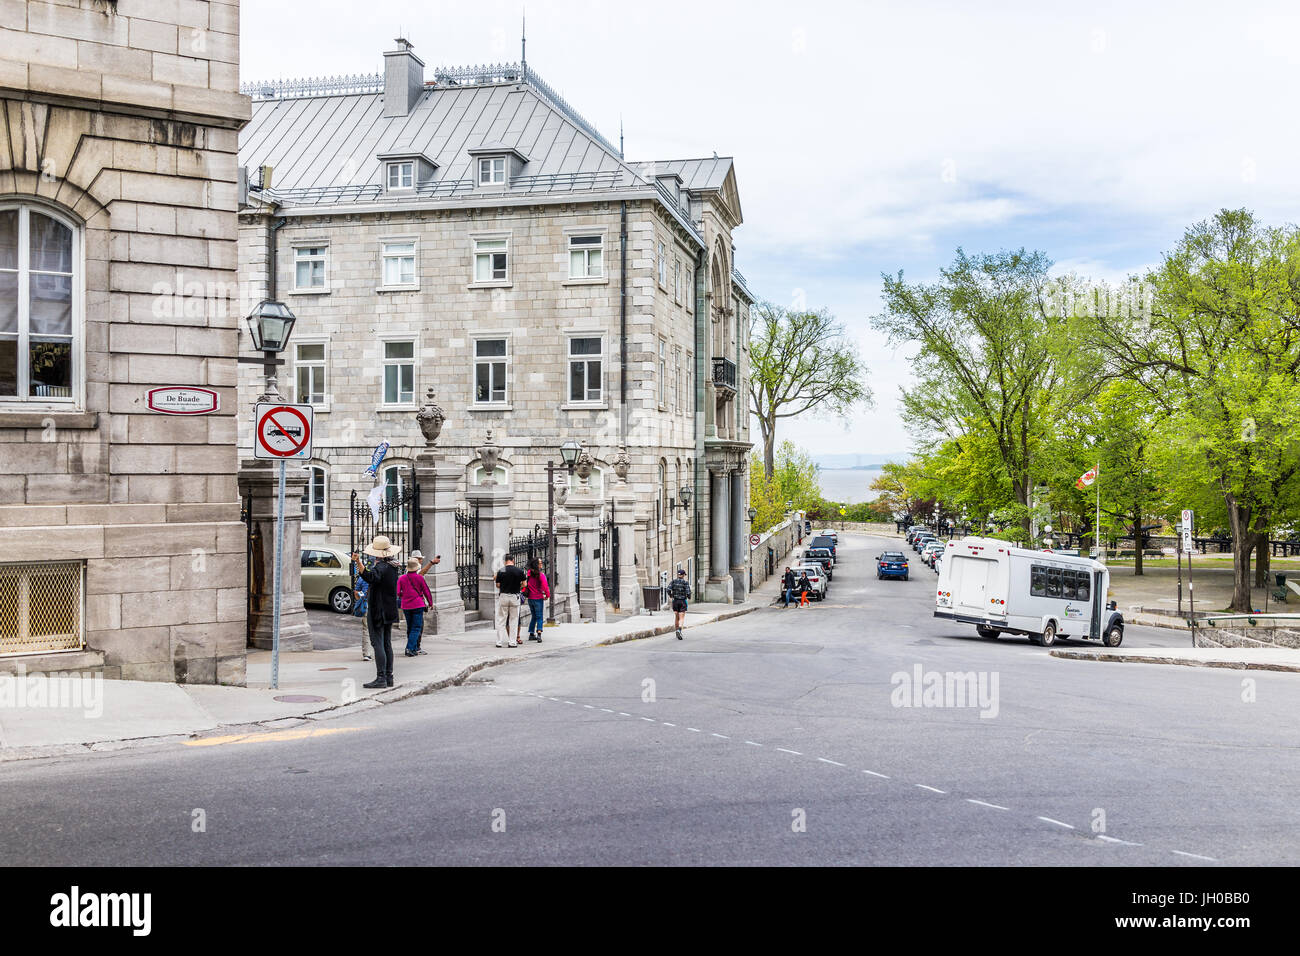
(583, 468)
(621, 464)
(489, 454)
(430, 418)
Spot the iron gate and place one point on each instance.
(609, 560)
(535, 544)
(468, 556)
(398, 520)
(253, 556)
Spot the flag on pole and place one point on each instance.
(1087, 478)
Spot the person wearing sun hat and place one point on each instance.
(381, 612)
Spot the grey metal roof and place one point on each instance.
(695, 174)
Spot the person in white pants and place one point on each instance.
(509, 582)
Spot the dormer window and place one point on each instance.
(492, 171)
(401, 175)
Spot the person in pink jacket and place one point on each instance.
(537, 590)
(415, 597)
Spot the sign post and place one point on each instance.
(1186, 530)
(280, 432)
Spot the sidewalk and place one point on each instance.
(1235, 658)
(314, 685)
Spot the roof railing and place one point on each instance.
(313, 86)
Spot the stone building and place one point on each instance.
(121, 546)
(467, 232)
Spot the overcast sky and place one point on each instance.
(874, 137)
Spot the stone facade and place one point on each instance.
(121, 125)
(672, 328)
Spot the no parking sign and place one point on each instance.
(282, 431)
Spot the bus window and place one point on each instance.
(1085, 585)
(1054, 582)
(1069, 585)
(1037, 580)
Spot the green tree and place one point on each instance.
(987, 358)
(801, 362)
(791, 485)
(1221, 353)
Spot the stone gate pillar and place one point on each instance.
(566, 549)
(623, 503)
(586, 506)
(739, 536)
(259, 484)
(438, 481)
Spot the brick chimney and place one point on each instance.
(403, 79)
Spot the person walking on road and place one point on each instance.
(680, 592)
(381, 613)
(804, 585)
(536, 589)
(413, 592)
(787, 586)
(509, 582)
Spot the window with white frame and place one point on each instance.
(491, 360)
(40, 305)
(586, 382)
(663, 372)
(492, 170)
(401, 175)
(399, 373)
(394, 488)
(314, 497)
(676, 379)
(586, 257)
(690, 288)
(663, 267)
(491, 260)
(398, 263)
(690, 383)
(308, 268)
(677, 281)
(309, 372)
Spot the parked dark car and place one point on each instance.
(823, 541)
(823, 557)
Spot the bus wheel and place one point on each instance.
(989, 632)
(1113, 637)
(1048, 637)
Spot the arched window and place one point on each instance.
(40, 305)
(596, 481)
(395, 485)
(663, 491)
(500, 474)
(315, 501)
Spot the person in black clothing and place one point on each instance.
(804, 587)
(509, 580)
(381, 611)
(680, 592)
(788, 583)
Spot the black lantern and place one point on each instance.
(270, 324)
(684, 496)
(753, 513)
(569, 452)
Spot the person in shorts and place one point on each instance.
(680, 592)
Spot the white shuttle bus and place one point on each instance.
(1002, 589)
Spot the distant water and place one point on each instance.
(850, 485)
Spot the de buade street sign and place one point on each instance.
(282, 431)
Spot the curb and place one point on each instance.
(360, 705)
(1184, 661)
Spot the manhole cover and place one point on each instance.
(300, 699)
(333, 668)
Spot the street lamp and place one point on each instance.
(1047, 536)
(270, 324)
(569, 452)
(753, 513)
(684, 496)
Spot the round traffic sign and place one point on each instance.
(753, 540)
(276, 431)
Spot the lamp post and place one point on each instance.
(1047, 536)
(270, 324)
(569, 452)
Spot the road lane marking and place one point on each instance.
(723, 736)
(753, 743)
(828, 760)
(588, 706)
(931, 789)
(651, 719)
(981, 803)
(785, 751)
(1056, 822)
(570, 703)
(1196, 856)
(694, 730)
(874, 774)
(622, 714)
(666, 724)
(607, 710)
(1111, 839)
(274, 736)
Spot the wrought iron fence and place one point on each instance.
(468, 556)
(724, 372)
(397, 518)
(535, 544)
(609, 560)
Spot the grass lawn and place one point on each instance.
(1204, 561)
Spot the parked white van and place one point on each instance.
(1007, 590)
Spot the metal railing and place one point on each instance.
(724, 372)
(342, 85)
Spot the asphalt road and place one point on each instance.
(773, 738)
